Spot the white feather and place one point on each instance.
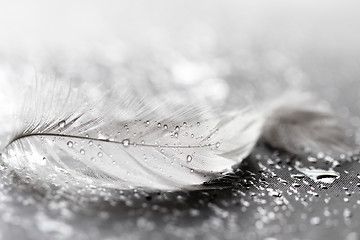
(125, 142)
(297, 123)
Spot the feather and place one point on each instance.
(297, 123)
(124, 141)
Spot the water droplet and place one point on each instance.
(198, 123)
(299, 176)
(347, 213)
(191, 170)
(315, 221)
(62, 124)
(162, 150)
(165, 127)
(320, 155)
(176, 135)
(322, 186)
(126, 142)
(93, 159)
(91, 143)
(70, 144)
(100, 154)
(312, 159)
(327, 178)
(82, 151)
(159, 125)
(189, 158)
(321, 175)
(147, 123)
(194, 212)
(177, 128)
(184, 124)
(44, 158)
(217, 145)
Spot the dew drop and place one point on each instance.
(189, 158)
(100, 154)
(82, 151)
(70, 144)
(126, 142)
(159, 125)
(298, 176)
(217, 145)
(322, 186)
(62, 124)
(321, 175)
(315, 221)
(327, 177)
(93, 159)
(347, 213)
(312, 159)
(91, 143)
(177, 128)
(147, 123)
(198, 123)
(194, 212)
(165, 127)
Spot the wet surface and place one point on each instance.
(266, 197)
(251, 55)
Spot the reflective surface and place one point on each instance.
(226, 55)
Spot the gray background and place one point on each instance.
(226, 54)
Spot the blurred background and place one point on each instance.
(222, 53)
